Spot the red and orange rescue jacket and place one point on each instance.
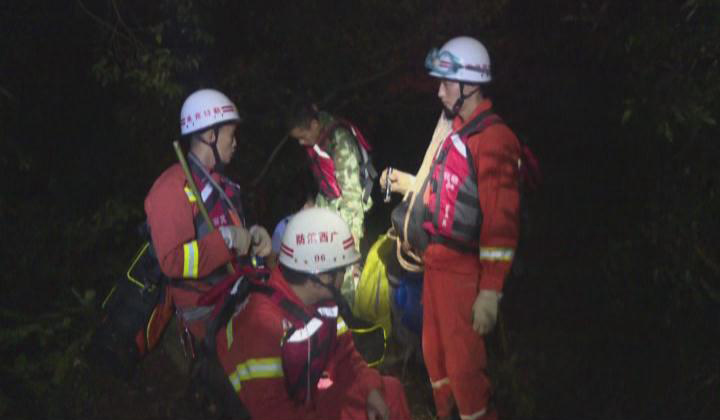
(180, 237)
(473, 202)
(266, 378)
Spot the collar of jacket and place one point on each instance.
(458, 123)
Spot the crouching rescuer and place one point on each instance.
(288, 352)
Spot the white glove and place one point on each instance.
(262, 244)
(237, 238)
(485, 310)
(400, 181)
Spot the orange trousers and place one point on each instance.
(454, 353)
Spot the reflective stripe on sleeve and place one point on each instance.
(191, 197)
(190, 259)
(341, 326)
(497, 254)
(265, 368)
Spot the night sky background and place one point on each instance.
(613, 306)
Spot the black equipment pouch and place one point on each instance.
(145, 271)
(127, 310)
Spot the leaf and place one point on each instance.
(707, 119)
(627, 115)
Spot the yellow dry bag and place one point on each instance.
(372, 297)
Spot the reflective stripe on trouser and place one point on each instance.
(454, 353)
(497, 254)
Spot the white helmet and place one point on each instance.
(462, 59)
(206, 108)
(317, 240)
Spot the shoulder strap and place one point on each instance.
(294, 310)
(197, 167)
(477, 125)
(217, 193)
(228, 308)
(480, 123)
(356, 133)
(286, 304)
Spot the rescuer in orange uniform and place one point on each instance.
(192, 256)
(471, 201)
(288, 352)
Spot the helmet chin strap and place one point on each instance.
(331, 288)
(219, 165)
(452, 113)
(337, 297)
(343, 307)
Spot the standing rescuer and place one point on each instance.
(340, 162)
(471, 200)
(288, 352)
(188, 251)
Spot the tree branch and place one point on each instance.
(107, 25)
(359, 83)
(125, 25)
(265, 168)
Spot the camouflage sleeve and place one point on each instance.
(349, 205)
